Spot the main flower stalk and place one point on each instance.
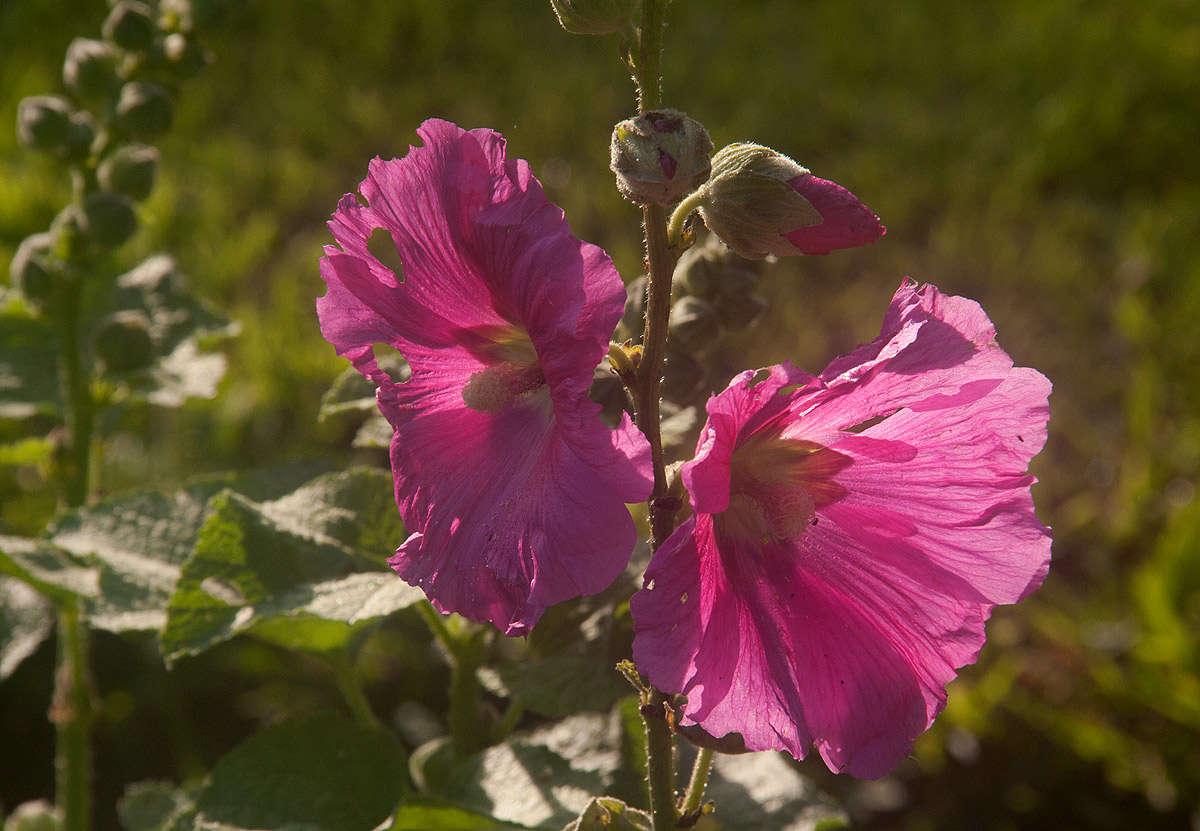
(660, 263)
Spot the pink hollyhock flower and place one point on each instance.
(760, 202)
(511, 486)
(852, 532)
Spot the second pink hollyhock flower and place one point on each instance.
(511, 486)
(852, 533)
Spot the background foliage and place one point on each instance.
(1037, 156)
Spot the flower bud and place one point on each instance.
(683, 378)
(81, 133)
(38, 815)
(130, 25)
(34, 270)
(594, 17)
(659, 157)
(43, 122)
(122, 342)
(738, 310)
(633, 319)
(694, 324)
(761, 202)
(108, 218)
(130, 171)
(67, 229)
(143, 110)
(90, 68)
(183, 55)
(176, 15)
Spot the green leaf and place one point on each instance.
(762, 792)
(28, 362)
(376, 431)
(29, 451)
(156, 806)
(568, 663)
(179, 323)
(139, 543)
(26, 619)
(608, 814)
(318, 552)
(51, 571)
(324, 616)
(320, 772)
(543, 779)
(431, 816)
(353, 393)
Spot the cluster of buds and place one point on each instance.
(713, 296)
(116, 99)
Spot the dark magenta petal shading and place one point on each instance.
(846, 222)
(838, 625)
(510, 484)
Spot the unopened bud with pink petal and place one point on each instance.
(760, 202)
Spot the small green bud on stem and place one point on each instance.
(90, 69)
(130, 25)
(130, 171)
(659, 156)
(43, 122)
(143, 110)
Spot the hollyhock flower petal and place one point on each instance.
(511, 486)
(845, 221)
(852, 533)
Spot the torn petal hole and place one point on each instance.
(383, 248)
(391, 363)
(869, 423)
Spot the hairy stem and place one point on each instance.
(71, 710)
(79, 407)
(660, 762)
(660, 264)
(346, 679)
(699, 780)
(71, 713)
(465, 651)
(647, 60)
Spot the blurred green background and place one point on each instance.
(1037, 155)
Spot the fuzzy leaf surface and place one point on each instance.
(319, 772)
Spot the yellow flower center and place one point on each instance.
(777, 485)
(513, 372)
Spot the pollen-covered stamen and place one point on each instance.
(514, 370)
(777, 485)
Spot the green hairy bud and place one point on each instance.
(694, 324)
(123, 343)
(90, 68)
(108, 218)
(35, 271)
(81, 134)
(43, 122)
(129, 171)
(34, 816)
(143, 110)
(130, 25)
(659, 156)
(595, 17)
